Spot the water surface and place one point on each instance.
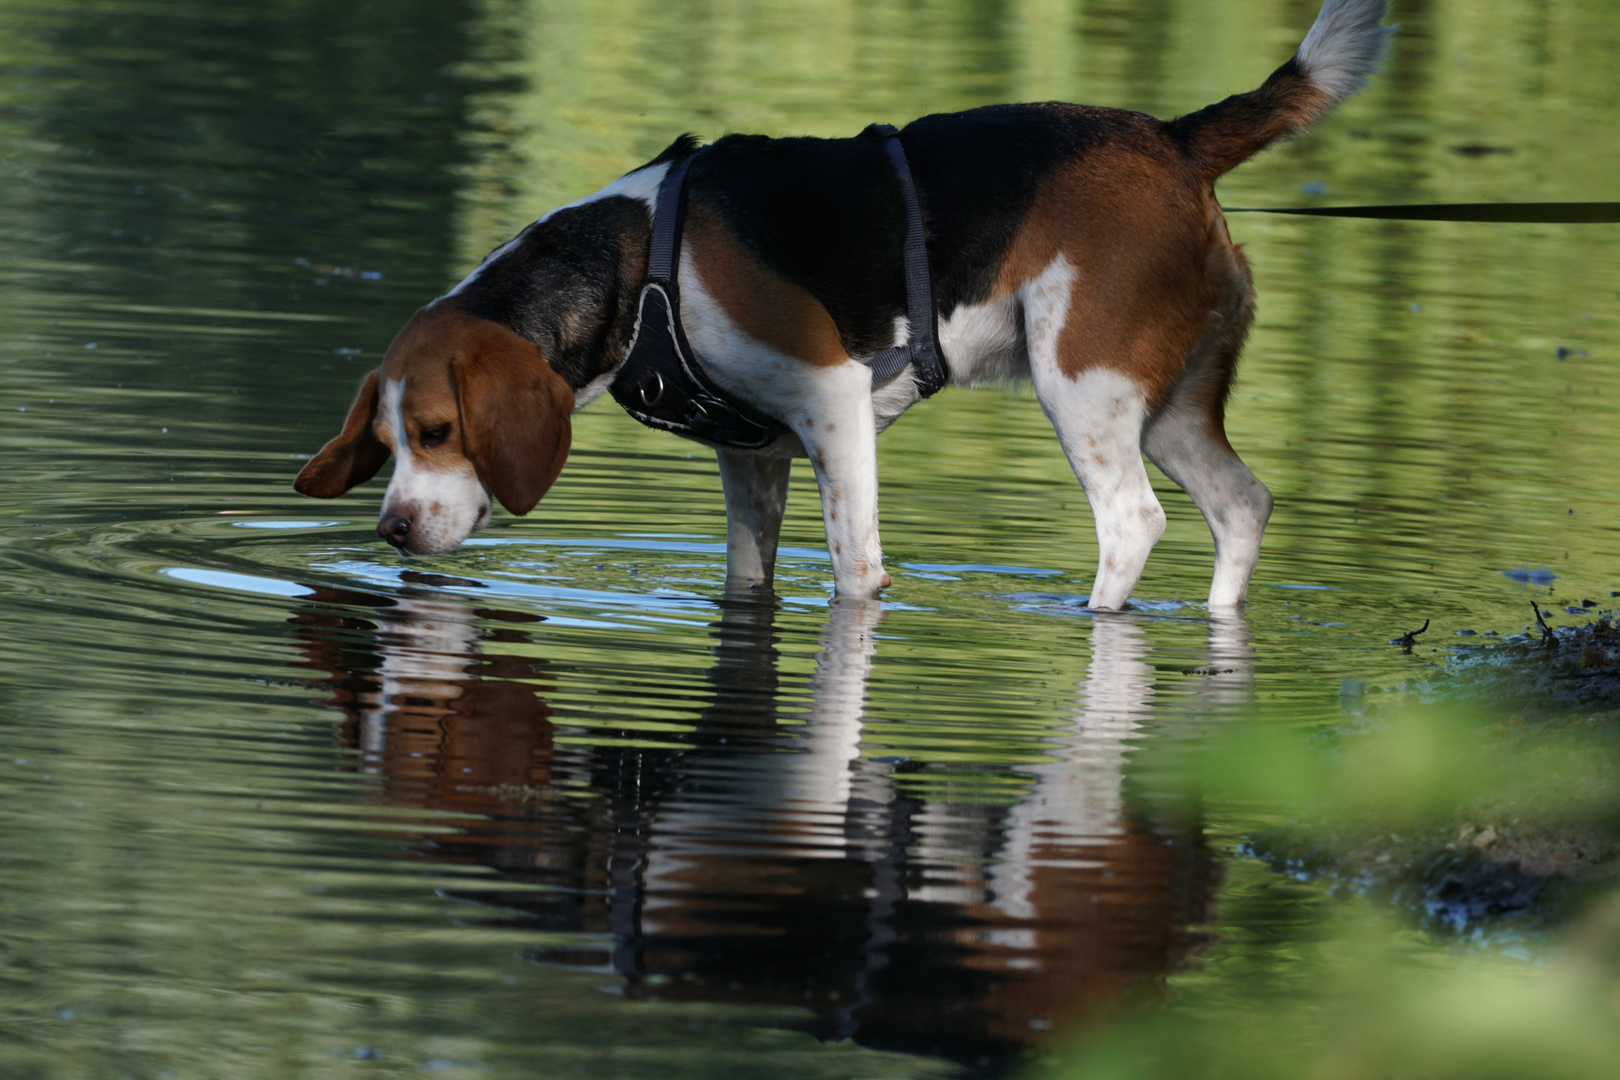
(277, 803)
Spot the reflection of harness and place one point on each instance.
(663, 385)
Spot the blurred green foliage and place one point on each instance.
(1376, 1006)
(1372, 1009)
(1426, 765)
(1353, 991)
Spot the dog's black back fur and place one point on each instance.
(569, 285)
(825, 214)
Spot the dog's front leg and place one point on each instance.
(839, 432)
(756, 487)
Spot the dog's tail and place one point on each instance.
(1331, 64)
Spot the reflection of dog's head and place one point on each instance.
(445, 725)
(469, 410)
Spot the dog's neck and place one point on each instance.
(569, 284)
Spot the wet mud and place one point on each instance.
(1502, 861)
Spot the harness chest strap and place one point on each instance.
(661, 383)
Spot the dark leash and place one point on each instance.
(661, 382)
(1557, 213)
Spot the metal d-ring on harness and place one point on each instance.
(662, 384)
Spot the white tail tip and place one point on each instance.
(1343, 45)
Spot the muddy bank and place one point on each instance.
(1560, 674)
(1502, 858)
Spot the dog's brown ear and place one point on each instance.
(353, 457)
(516, 417)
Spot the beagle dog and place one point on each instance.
(1081, 248)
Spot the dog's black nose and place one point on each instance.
(394, 528)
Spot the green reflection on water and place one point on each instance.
(238, 207)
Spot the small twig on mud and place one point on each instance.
(1546, 631)
(1409, 639)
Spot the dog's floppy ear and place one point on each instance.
(353, 457)
(516, 417)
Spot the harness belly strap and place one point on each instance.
(921, 349)
(661, 383)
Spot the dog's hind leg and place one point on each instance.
(1186, 439)
(756, 487)
(1098, 414)
(1189, 444)
(1098, 417)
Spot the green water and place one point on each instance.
(273, 803)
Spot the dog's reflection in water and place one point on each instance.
(771, 860)
(441, 722)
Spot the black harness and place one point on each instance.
(662, 384)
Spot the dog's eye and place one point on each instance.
(434, 436)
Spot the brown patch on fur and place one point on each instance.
(1212, 365)
(353, 456)
(508, 413)
(1152, 258)
(767, 308)
(515, 411)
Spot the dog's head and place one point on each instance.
(470, 410)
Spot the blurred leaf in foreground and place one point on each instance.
(1363, 993)
(1377, 1012)
(1424, 766)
